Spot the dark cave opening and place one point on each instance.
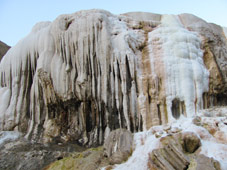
(178, 108)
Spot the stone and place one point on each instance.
(90, 159)
(3, 49)
(170, 157)
(24, 155)
(118, 146)
(173, 156)
(197, 121)
(221, 136)
(207, 163)
(191, 142)
(51, 130)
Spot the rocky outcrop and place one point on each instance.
(191, 142)
(181, 145)
(181, 151)
(88, 73)
(91, 159)
(3, 49)
(118, 146)
(170, 157)
(22, 154)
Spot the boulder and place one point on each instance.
(172, 155)
(118, 146)
(191, 142)
(205, 163)
(169, 158)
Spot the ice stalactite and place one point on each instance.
(87, 73)
(79, 77)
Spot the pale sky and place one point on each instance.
(17, 17)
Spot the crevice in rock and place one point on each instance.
(178, 108)
(159, 114)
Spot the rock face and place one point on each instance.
(3, 49)
(91, 72)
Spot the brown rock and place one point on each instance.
(221, 136)
(118, 145)
(197, 121)
(205, 163)
(170, 157)
(191, 142)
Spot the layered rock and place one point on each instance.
(174, 156)
(90, 72)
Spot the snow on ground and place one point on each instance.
(145, 142)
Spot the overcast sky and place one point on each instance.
(17, 17)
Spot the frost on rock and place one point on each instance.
(87, 73)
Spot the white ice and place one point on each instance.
(186, 75)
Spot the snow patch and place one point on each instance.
(145, 143)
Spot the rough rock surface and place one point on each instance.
(118, 146)
(3, 49)
(91, 159)
(23, 155)
(191, 142)
(179, 153)
(91, 72)
(169, 157)
(203, 162)
(163, 147)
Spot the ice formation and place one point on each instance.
(87, 73)
(186, 77)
